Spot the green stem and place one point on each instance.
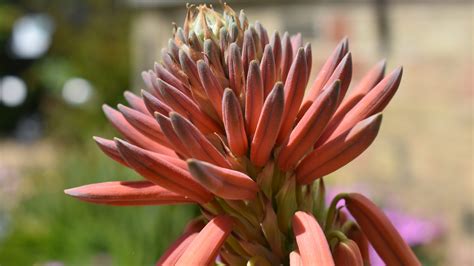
(332, 211)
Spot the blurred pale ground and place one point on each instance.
(422, 160)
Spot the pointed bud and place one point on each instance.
(355, 234)
(197, 144)
(225, 183)
(275, 43)
(347, 253)
(127, 193)
(309, 59)
(175, 69)
(262, 34)
(162, 172)
(133, 135)
(136, 102)
(373, 102)
(211, 85)
(312, 244)
(145, 124)
(236, 69)
(153, 104)
(110, 149)
(324, 74)
(383, 236)
(309, 128)
(286, 56)
(166, 76)
(205, 246)
(253, 97)
(268, 126)
(173, 139)
(186, 107)
(368, 82)
(286, 202)
(249, 51)
(295, 85)
(268, 70)
(271, 231)
(234, 123)
(338, 152)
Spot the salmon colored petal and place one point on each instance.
(197, 144)
(136, 102)
(295, 258)
(249, 51)
(133, 135)
(162, 172)
(325, 73)
(381, 233)
(309, 128)
(309, 59)
(254, 97)
(312, 244)
(338, 152)
(368, 82)
(234, 123)
(373, 102)
(177, 248)
(205, 246)
(211, 85)
(168, 131)
(110, 149)
(223, 182)
(236, 70)
(268, 70)
(295, 85)
(145, 124)
(268, 126)
(155, 105)
(127, 193)
(182, 104)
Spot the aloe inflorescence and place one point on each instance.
(228, 122)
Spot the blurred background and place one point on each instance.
(60, 60)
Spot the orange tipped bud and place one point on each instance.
(268, 126)
(338, 152)
(381, 233)
(196, 144)
(294, 91)
(133, 135)
(234, 123)
(162, 172)
(253, 97)
(312, 244)
(127, 193)
(225, 183)
(309, 128)
(346, 253)
(205, 246)
(136, 102)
